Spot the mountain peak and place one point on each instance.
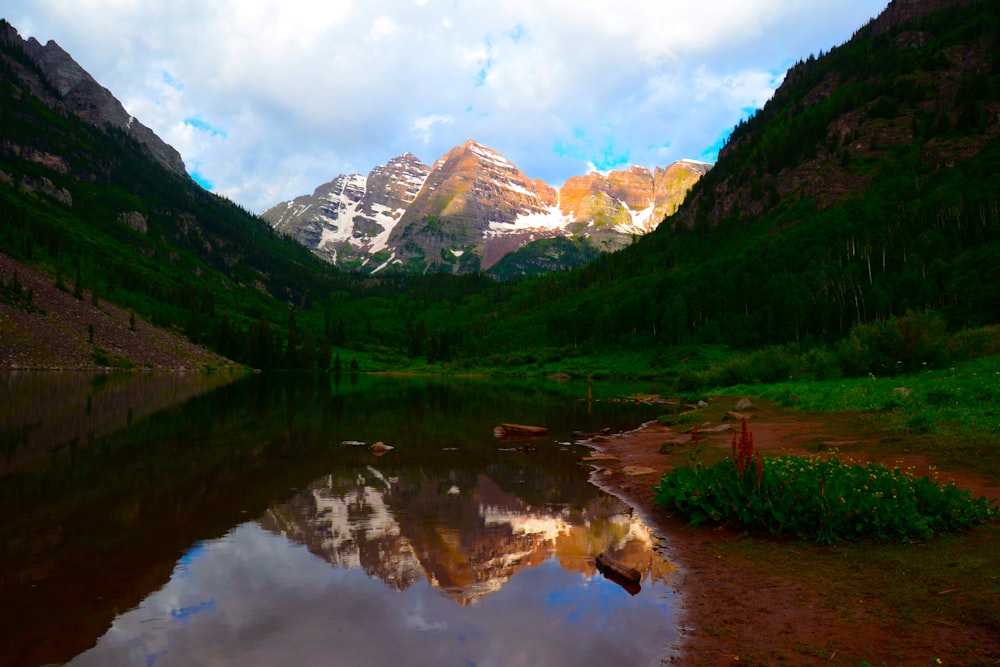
(472, 208)
(84, 97)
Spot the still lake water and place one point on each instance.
(184, 520)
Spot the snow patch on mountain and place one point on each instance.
(643, 220)
(550, 219)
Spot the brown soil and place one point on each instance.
(735, 609)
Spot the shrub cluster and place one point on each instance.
(825, 500)
(913, 342)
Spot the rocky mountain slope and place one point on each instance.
(78, 93)
(349, 219)
(472, 208)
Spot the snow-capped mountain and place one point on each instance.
(472, 208)
(349, 219)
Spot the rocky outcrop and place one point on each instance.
(83, 96)
(632, 201)
(44, 186)
(135, 220)
(904, 11)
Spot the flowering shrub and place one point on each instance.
(825, 500)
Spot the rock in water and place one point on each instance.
(380, 448)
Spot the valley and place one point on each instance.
(837, 266)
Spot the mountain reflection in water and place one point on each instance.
(364, 568)
(160, 520)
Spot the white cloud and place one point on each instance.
(302, 91)
(423, 125)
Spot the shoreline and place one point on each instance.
(733, 605)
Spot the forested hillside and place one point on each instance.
(86, 205)
(868, 186)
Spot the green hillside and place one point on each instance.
(869, 186)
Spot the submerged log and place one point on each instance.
(613, 568)
(620, 573)
(504, 431)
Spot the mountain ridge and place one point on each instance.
(79, 93)
(473, 207)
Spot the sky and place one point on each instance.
(267, 99)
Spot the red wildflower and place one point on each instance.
(743, 450)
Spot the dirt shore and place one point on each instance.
(736, 609)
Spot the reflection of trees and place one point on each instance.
(462, 532)
(41, 412)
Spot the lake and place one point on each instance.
(181, 519)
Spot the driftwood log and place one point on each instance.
(506, 431)
(615, 569)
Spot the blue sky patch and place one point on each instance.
(203, 126)
(711, 154)
(609, 159)
(171, 81)
(202, 181)
(487, 64)
(604, 157)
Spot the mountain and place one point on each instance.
(852, 217)
(898, 85)
(349, 219)
(80, 94)
(472, 208)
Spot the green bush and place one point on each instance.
(825, 500)
(898, 345)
